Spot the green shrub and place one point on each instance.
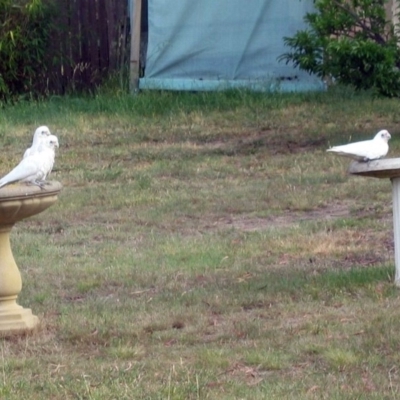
(352, 42)
(25, 32)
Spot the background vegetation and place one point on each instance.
(205, 246)
(25, 32)
(55, 47)
(351, 42)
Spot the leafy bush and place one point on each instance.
(25, 32)
(351, 41)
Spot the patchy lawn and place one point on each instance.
(205, 246)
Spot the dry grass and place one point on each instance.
(205, 246)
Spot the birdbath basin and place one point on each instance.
(390, 169)
(16, 203)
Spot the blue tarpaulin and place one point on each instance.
(210, 45)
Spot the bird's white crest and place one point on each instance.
(365, 150)
(40, 134)
(36, 167)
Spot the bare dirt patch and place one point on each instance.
(275, 142)
(250, 224)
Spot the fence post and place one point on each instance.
(135, 46)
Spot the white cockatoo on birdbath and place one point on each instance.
(365, 150)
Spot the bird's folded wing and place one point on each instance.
(26, 168)
(362, 149)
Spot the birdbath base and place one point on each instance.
(14, 318)
(17, 203)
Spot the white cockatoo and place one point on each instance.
(366, 150)
(41, 133)
(34, 168)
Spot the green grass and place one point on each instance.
(205, 246)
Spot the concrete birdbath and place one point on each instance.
(16, 203)
(389, 169)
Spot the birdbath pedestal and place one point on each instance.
(387, 168)
(16, 203)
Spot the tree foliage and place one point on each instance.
(25, 33)
(351, 41)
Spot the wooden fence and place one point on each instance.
(93, 41)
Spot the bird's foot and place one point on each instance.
(41, 184)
